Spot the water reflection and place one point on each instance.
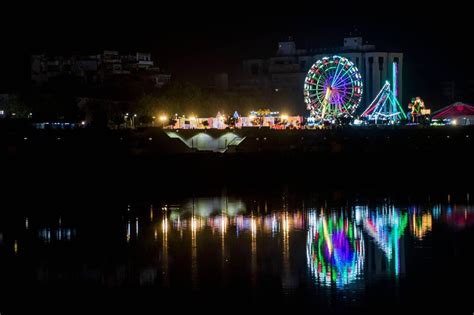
(420, 223)
(226, 242)
(460, 217)
(55, 234)
(385, 226)
(165, 246)
(335, 248)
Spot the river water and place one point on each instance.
(336, 254)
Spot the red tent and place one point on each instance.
(455, 110)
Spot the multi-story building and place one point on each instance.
(93, 69)
(287, 69)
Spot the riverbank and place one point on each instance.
(142, 161)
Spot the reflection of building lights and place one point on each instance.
(128, 231)
(136, 228)
(253, 258)
(274, 224)
(286, 223)
(194, 273)
(253, 226)
(223, 224)
(165, 250)
(165, 225)
(193, 224)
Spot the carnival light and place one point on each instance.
(333, 88)
(385, 106)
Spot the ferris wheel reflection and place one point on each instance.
(341, 246)
(335, 248)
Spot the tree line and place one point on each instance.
(175, 98)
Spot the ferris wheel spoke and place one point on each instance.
(333, 76)
(338, 76)
(343, 78)
(324, 77)
(337, 72)
(344, 84)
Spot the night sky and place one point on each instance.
(194, 47)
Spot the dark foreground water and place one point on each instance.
(281, 251)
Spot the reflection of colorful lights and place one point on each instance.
(421, 224)
(129, 231)
(386, 227)
(253, 227)
(60, 234)
(436, 212)
(165, 225)
(335, 250)
(193, 224)
(460, 217)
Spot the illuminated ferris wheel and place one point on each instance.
(333, 88)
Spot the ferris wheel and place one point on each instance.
(333, 88)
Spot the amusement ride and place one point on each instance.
(333, 89)
(333, 92)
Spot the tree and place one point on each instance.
(185, 98)
(55, 107)
(145, 105)
(103, 111)
(16, 107)
(145, 119)
(117, 120)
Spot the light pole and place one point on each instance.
(125, 119)
(133, 120)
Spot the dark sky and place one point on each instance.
(194, 46)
